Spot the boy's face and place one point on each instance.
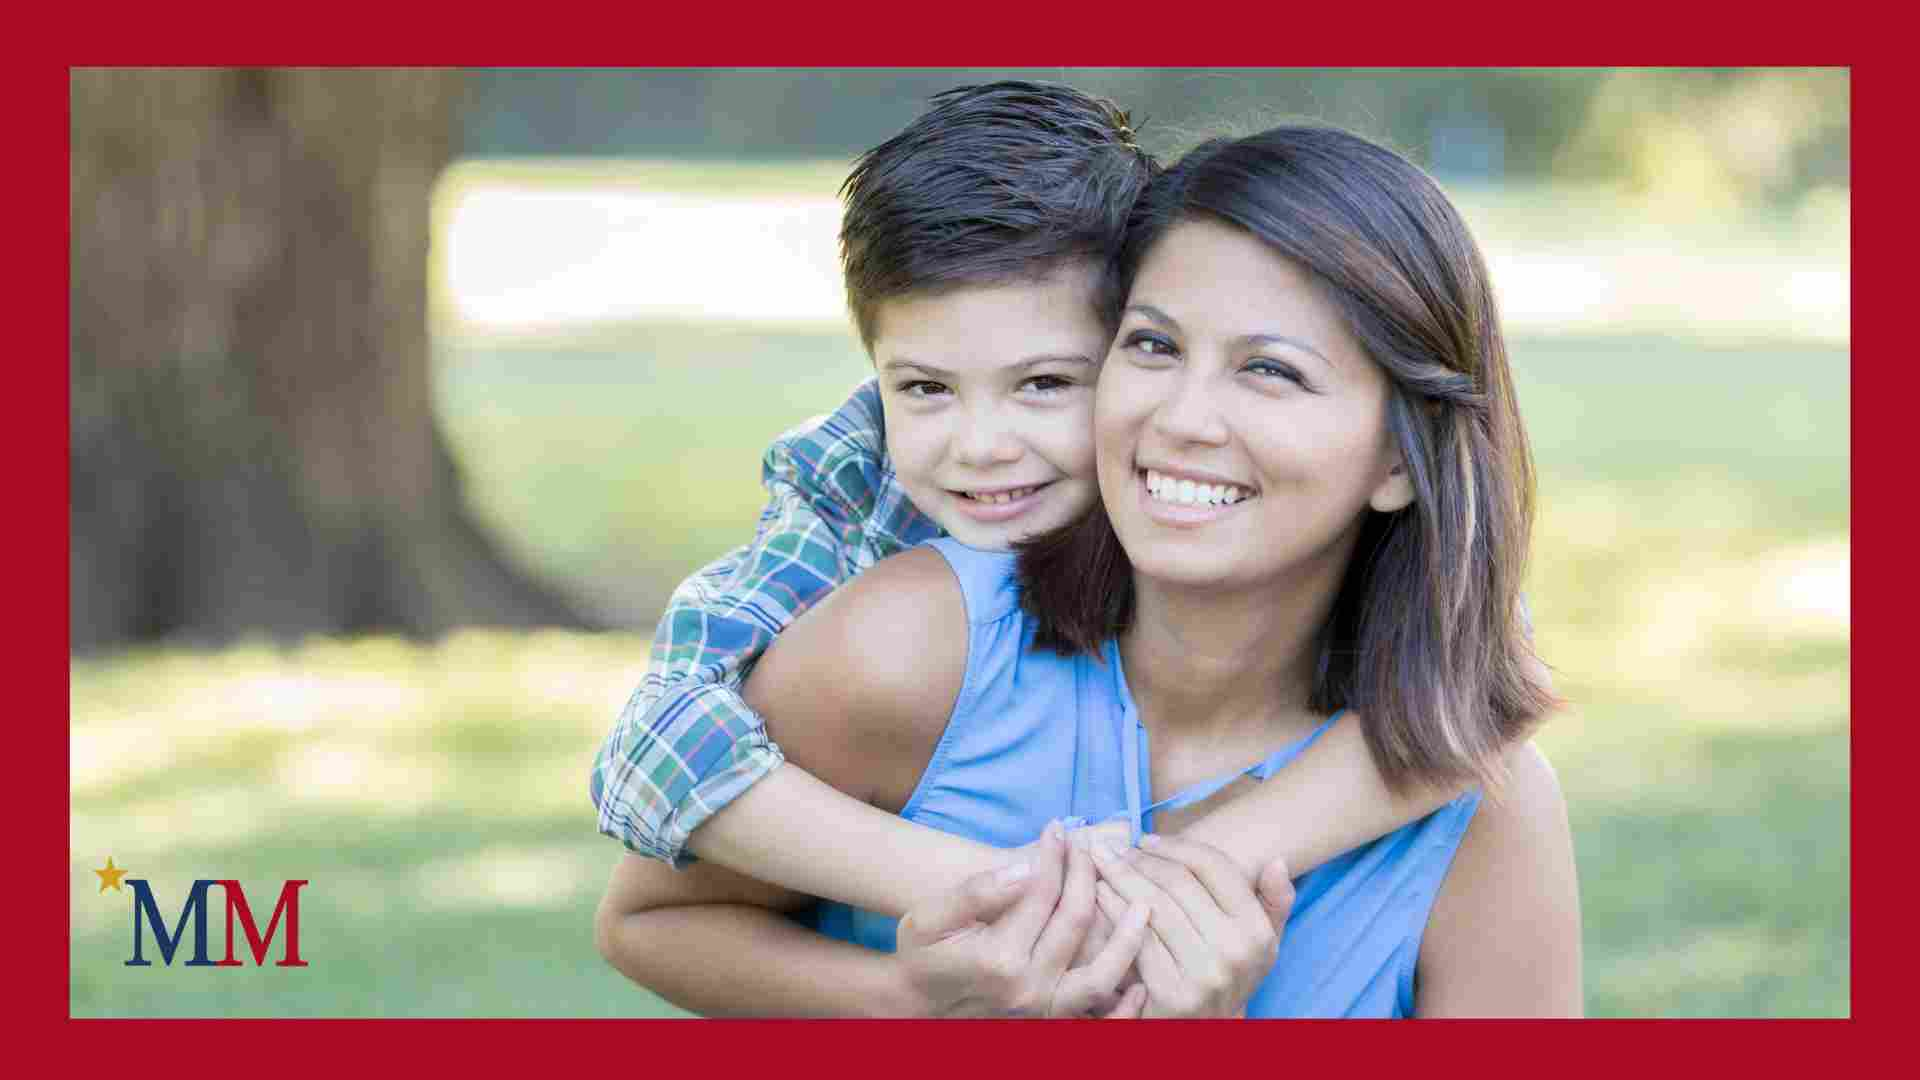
(988, 392)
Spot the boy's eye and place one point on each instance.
(921, 388)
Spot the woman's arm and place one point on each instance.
(1504, 935)
(711, 941)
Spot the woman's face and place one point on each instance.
(1240, 429)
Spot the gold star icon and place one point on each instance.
(110, 876)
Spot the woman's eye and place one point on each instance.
(1149, 343)
(922, 388)
(1274, 369)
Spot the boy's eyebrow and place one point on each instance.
(900, 362)
(1154, 314)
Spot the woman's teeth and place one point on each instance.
(1000, 496)
(1187, 493)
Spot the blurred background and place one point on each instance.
(402, 399)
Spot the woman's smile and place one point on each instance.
(1183, 500)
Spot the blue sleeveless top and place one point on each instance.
(1036, 736)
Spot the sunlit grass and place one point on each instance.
(1689, 585)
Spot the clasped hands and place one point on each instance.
(1082, 925)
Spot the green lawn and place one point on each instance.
(1693, 524)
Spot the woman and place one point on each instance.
(1315, 496)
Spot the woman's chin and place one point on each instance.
(1184, 567)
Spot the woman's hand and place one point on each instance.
(1008, 943)
(1213, 937)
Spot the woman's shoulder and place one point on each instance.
(900, 627)
(1525, 815)
(1510, 893)
(866, 679)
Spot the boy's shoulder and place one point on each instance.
(838, 463)
(854, 432)
(841, 454)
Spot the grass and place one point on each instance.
(435, 795)
(1688, 584)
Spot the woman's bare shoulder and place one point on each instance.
(1504, 934)
(860, 687)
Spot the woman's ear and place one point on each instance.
(1395, 492)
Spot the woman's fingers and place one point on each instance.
(1021, 926)
(1095, 986)
(1122, 870)
(1072, 917)
(979, 900)
(1239, 928)
(1184, 916)
(1157, 965)
(1225, 882)
(1133, 1004)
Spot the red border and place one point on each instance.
(1040, 34)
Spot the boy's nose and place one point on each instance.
(986, 441)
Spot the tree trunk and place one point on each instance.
(253, 446)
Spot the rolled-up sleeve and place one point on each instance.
(687, 744)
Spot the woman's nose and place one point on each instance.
(1190, 414)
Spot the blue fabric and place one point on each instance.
(1036, 736)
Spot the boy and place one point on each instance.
(974, 246)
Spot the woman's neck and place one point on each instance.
(1234, 666)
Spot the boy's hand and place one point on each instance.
(1002, 943)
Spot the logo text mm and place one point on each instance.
(145, 909)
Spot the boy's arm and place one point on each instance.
(795, 829)
(687, 744)
(1329, 800)
(703, 937)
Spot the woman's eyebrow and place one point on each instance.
(1256, 340)
(1155, 315)
(1245, 340)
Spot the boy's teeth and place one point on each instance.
(1187, 493)
(995, 498)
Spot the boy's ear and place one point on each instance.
(1395, 492)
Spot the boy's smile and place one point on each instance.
(988, 393)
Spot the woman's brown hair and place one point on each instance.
(1426, 640)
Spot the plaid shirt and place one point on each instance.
(687, 744)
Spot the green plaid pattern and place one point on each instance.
(686, 744)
